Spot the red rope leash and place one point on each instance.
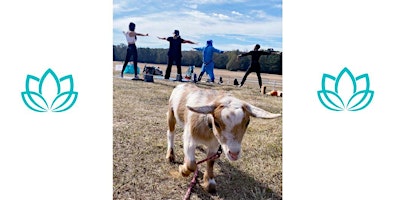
(196, 172)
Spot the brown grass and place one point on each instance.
(139, 145)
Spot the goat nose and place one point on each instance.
(234, 155)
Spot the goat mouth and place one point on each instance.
(233, 156)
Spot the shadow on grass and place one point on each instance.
(232, 184)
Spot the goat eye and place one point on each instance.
(217, 125)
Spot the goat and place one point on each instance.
(210, 118)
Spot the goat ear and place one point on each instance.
(202, 109)
(258, 112)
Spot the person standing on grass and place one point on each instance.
(255, 65)
(208, 63)
(132, 50)
(175, 54)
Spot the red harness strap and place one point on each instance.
(194, 179)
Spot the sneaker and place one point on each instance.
(136, 77)
(178, 78)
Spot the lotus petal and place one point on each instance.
(328, 82)
(34, 101)
(362, 82)
(32, 83)
(49, 85)
(31, 97)
(360, 100)
(67, 83)
(64, 101)
(330, 100)
(343, 81)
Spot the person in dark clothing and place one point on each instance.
(175, 53)
(132, 50)
(255, 65)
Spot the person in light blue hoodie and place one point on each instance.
(208, 63)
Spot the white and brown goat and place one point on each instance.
(210, 118)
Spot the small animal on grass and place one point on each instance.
(211, 118)
(276, 93)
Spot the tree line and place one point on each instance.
(271, 64)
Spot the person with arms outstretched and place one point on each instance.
(208, 63)
(175, 53)
(255, 64)
(131, 50)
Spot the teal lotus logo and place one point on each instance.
(49, 93)
(345, 92)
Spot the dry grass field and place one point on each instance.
(140, 170)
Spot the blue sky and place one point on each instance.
(231, 24)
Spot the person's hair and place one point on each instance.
(132, 26)
(257, 47)
(176, 32)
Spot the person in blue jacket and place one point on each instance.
(208, 63)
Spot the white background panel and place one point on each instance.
(340, 155)
(64, 155)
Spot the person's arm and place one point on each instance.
(188, 41)
(164, 38)
(141, 34)
(217, 50)
(199, 48)
(244, 54)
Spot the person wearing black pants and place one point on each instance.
(132, 50)
(171, 60)
(175, 54)
(255, 65)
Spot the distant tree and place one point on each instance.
(228, 60)
(233, 63)
(120, 52)
(221, 60)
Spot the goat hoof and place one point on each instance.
(184, 171)
(210, 188)
(170, 158)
